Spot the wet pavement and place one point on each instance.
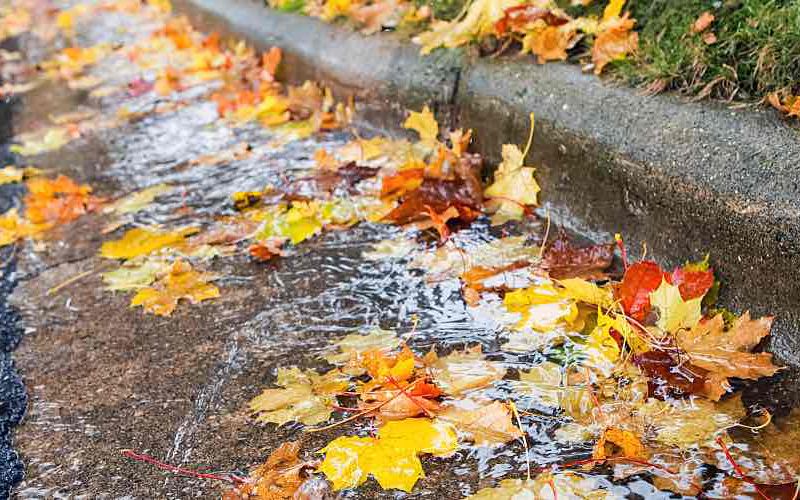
(102, 377)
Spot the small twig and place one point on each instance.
(75, 278)
(140, 457)
(739, 470)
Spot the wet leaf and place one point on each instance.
(546, 487)
(514, 187)
(543, 382)
(727, 353)
(57, 201)
(462, 371)
(688, 423)
(587, 292)
(639, 281)
(276, 479)
(627, 442)
(142, 241)
(391, 458)
(422, 435)
(351, 347)
(674, 313)
(13, 228)
(10, 174)
(182, 282)
(134, 277)
(423, 123)
(488, 425)
(52, 139)
(562, 259)
(305, 397)
(137, 201)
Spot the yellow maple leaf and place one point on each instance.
(391, 458)
(543, 382)
(424, 123)
(514, 186)
(674, 313)
(142, 241)
(182, 282)
(422, 435)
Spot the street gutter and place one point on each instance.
(686, 178)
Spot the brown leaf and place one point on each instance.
(487, 425)
(564, 260)
(276, 479)
(727, 353)
(703, 22)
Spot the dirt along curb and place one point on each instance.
(686, 178)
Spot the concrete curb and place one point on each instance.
(687, 178)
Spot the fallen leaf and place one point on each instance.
(727, 353)
(628, 443)
(52, 139)
(690, 423)
(351, 347)
(137, 201)
(542, 382)
(563, 259)
(424, 123)
(422, 435)
(514, 187)
(546, 487)
(142, 241)
(305, 397)
(182, 282)
(462, 371)
(477, 20)
(548, 43)
(613, 9)
(57, 201)
(674, 313)
(614, 42)
(278, 478)
(391, 458)
(265, 250)
(639, 281)
(703, 22)
(13, 228)
(489, 425)
(134, 277)
(584, 291)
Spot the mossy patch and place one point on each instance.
(757, 50)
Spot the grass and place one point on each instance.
(757, 49)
